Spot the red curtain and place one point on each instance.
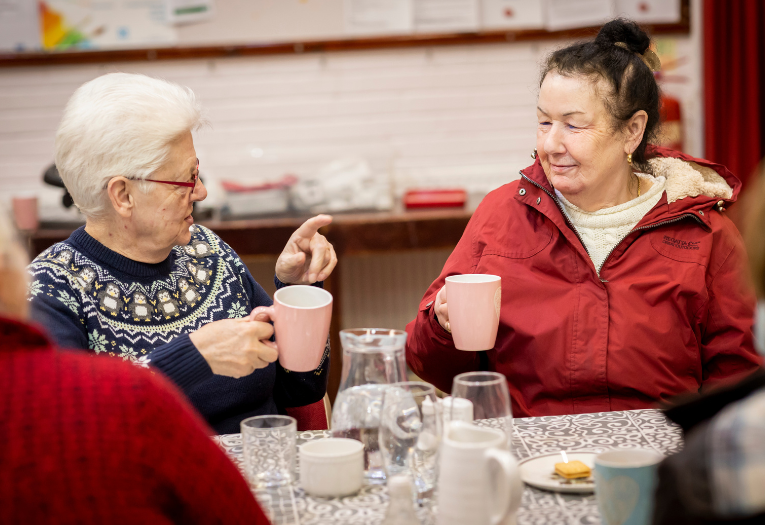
(734, 64)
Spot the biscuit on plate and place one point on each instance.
(572, 470)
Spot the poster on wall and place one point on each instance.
(378, 17)
(104, 24)
(571, 14)
(511, 14)
(19, 23)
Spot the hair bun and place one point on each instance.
(623, 30)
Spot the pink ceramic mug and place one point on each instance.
(301, 316)
(473, 302)
(25, 213)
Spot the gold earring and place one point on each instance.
(534, 155)
(629, 159)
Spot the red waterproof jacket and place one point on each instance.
(669, 313)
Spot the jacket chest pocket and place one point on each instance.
(679, 246)
(519, 243)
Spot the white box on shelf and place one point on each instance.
(261, 202)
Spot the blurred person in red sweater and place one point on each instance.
(87, 440)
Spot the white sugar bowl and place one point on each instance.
(332, 467)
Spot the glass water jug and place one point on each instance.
(372, 359)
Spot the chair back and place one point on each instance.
(315, 416)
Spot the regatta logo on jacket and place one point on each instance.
(683, 245)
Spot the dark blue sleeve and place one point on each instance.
(181, 362)
(280, 285)
(57, 309)
(296, 389)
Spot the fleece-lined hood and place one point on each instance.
(693, 177)
(689, 179)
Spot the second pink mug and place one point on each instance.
(25, 213)
(473, 301)
(301, 316)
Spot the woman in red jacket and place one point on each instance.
(89, 440)
(622, 278)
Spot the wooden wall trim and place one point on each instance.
(355, 44)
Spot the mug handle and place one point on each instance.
(507, 488)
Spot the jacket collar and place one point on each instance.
(17, 335)
(683, 202)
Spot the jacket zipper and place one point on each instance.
(562, 211)
(573, 228)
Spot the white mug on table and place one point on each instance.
(479, 481)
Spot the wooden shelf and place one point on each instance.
(348, 44)
(352, 233)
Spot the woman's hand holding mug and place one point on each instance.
(472, 315)
(442, 312)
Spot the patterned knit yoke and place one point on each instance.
(90, 297)
(130, 317)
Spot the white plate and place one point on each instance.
(539, 472)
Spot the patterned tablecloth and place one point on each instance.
(532, 437)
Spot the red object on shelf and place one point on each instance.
(444, 198)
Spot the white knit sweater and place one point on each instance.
(602, 230)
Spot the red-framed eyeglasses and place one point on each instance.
(191, 184)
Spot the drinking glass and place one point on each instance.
(410, 436)
(373, 358)
(269, 450)
(487, 391)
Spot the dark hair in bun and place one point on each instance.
(631, 81)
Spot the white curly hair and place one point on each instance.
(119, 124)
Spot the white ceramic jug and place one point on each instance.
(479, 482)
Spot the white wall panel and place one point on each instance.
(460, 115)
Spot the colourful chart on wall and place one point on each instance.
(104, 24)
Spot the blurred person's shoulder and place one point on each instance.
(61, 379)
(130, 383)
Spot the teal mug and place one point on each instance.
(625, 481)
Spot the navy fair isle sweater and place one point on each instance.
(90, 297)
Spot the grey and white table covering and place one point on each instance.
(531, 437)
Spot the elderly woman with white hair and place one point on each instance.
(140, 281)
